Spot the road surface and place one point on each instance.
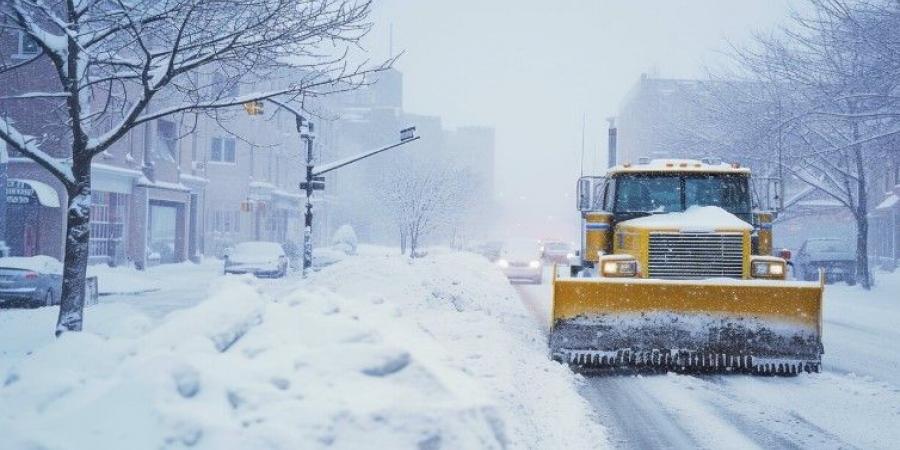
(835, 409)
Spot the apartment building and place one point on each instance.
(142, 207)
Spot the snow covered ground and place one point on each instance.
(373, 352)
(854, 403)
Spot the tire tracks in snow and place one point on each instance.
(683, 411)
(771, 427)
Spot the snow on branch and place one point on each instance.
(26, 145)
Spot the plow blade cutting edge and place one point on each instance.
(754, 326)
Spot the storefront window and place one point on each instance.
(108, 214)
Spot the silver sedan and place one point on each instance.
(30, 281)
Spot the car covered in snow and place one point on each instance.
(557, 252)
(263, 259)
(835, 256)
(520, 260)
(31, 281)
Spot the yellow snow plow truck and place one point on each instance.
(675, 273)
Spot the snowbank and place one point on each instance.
(125, 280)
(374, 352)
(695, 218)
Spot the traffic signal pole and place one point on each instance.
(308, 216)
(314, 181)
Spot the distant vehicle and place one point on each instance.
(32, 281)
(557, 252)
(835, 256)
(521, 261)
(263, 259)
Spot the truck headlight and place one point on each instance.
(503, 263)
(768, 268)
(619, 267)
(534, 264)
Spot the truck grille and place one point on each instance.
(696, 255)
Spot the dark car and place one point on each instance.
(835, 256)
(32, 281)
(263, 259)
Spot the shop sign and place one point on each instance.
(18, 193)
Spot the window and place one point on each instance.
(168, 138)
(669, 193)
(27, 45)
(222, 87)
(222, 150)
(226, 221)
(108, 214)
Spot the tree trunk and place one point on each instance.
(862, 216)
(402, 241)
(413, 242)
(78, 232)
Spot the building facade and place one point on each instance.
(140, 205)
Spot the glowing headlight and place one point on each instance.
(619, 268)
(534, 264)
(570, 255)
(767, 269)
(503, 263)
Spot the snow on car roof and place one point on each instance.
(40, 264)
(695, 218)
(678, 165)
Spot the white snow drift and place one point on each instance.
(374, 352)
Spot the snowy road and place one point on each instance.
(855, 403)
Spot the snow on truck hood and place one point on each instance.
(695, 218)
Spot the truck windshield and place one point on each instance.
(655, 193)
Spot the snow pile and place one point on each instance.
(125, 280)
(701, 219)
(345, 239)
(374, 352)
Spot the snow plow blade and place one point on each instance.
(751, 326)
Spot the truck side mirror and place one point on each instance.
(590, 193)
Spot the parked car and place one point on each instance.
(263, 259)
(31, 281)
(836, 256)
(557, 252)
(520, 260)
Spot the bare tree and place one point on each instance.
(421, 199)
(118, 64)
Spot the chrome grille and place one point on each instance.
(696, 255)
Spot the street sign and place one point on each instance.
(407, 134)
(316, 185)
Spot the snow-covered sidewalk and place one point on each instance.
(374, 352)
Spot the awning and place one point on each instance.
(889, 202)
(20, 191)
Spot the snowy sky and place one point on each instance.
(533, 68)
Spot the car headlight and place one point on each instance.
(534, 264)
(503, 263)
(570, 255)
(768, 268)
(619, 267)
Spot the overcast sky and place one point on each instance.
(532, 68)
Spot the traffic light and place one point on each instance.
(254, 108)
